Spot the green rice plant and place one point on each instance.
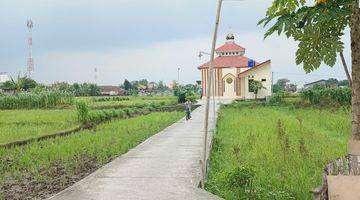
(18, 125)
(102, 145)
(286, 148)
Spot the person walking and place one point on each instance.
(188, 109)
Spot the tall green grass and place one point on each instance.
(264, 152)
(30, 100)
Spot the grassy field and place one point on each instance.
(268, 152)
(25, 124)
(42, 168)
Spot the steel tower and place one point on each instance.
(30, 60)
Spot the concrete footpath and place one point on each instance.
(166, 166)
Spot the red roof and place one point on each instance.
(231, 46)
(229, 61)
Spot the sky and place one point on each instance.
(137, 39)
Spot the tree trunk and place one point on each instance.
(355, 54)
(346, 68)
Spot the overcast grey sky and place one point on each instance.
(137, 39)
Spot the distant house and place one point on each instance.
(4, 77)
(108, 90)
(152, 85)
(321, 82)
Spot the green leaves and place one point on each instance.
(318, 28)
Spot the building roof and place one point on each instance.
(109, 88)
(315, 82)
(229, 47)
(256, 67)
(229, 61)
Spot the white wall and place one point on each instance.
(4, 78)
(262, 72)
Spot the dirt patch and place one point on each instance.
(48, 182)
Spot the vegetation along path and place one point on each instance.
(166, 166)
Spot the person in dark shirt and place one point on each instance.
(188, 110)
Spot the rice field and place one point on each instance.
(121, 102)
(40, 169)
(26, 124)
(274, 152)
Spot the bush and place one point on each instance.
(324, 96)
(278, 98)
(184, 94)
(82, 112)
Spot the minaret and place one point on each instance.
(30, 60)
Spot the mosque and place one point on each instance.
(234, 72)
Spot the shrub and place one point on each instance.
(278, 98)
(324, 96)
(190, 96)
(82, 112)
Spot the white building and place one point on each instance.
(4, 77)
(234, 72)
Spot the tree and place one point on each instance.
(127, 85)
(281, 85)
(94, 90)
(161, 87)
(331, 82)
(21, 84)
(355, 49)
(344, 83)
(9, 85)
(276, 88)
(256, 86)
(318, 29)
(283, 82)
(26, 83)
(143, 82)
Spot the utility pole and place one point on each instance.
(95, 75)
(178, 75)
(208, 93)
(272, 83)
(30, 60)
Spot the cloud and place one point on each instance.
(155, 62)
(138, 39)
(160, 61)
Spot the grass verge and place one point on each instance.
(274, 152)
